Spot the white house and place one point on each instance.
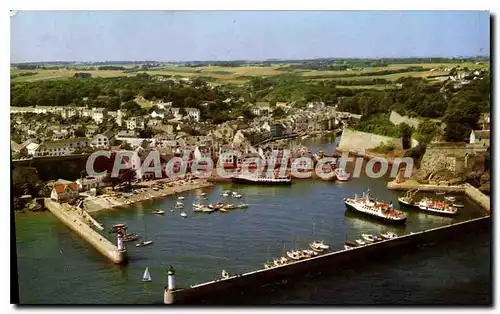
(31, 148)
(481, 137)
(64, 191)
(60, 148)
(89, 183)
(193, 113)
(103, 140)
(135, 123)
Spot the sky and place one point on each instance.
(245, 35)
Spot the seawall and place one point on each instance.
(413, 185)
(351, 140)
(335, 260)
(71, 219)
(478, 197)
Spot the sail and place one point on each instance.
(147, 275)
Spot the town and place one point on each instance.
(244, 178)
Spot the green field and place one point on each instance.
(240, 75)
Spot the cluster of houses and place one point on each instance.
(173, 132)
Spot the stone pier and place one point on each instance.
(71, 218)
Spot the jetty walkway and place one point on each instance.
(73, 218)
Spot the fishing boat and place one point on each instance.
(177, 206)
(115, 230)
(280, 261)
(144, 243)
(183, 214)
(341, 174)
(295, 255)
(237, 196)
(347, 247)
(130, 237)
(179, 203)
(223, 210)
(450, 198)
(158, 212)
(261, 180)
(368, 237)
(269, 265)
(216, 206)
(208, 210)
(180, 198)
(408, 199)
(309, 253)
(378, 239)
(389, 235)
(349, 243)
(458, 205)
(382, 211)
(437, 207)
(242, 206)
(119, 226)
(203, 194)
(440, 193)
(360, 242)
(315, 246)
(228, 206)
(225, 194)
(147, 275)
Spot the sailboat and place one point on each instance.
(144, 243)
(147, 275)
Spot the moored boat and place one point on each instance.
(368, 237)
(158, 212)
(183, 214)
(130, 237)
(242, 205)
(295, 255)
(389, 235)
(341, 174)
(458, 205)
(180, 198)
(349, 243)
(408, 199)
(144, 243)
(379, 210)
(360, 242)
(437, 207)
(261, 180)
(450, 198)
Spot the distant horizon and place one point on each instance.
(260, 60)
(221, 36)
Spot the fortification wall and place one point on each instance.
(456, 158)
(360, 141)
(397, 119)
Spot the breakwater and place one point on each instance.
(329, 261)
(74, 221)
(472, 192)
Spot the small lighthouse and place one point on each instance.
(120, 242)
(168, 297)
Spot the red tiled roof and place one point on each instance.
(61, 187)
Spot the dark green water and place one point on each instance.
(55, 266)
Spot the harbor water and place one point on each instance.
(56, 267)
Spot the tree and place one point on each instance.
(147, 133)
(182, 112)
(279, 112)
(125, 146)
(25, 181)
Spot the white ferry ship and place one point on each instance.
(379, 210)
